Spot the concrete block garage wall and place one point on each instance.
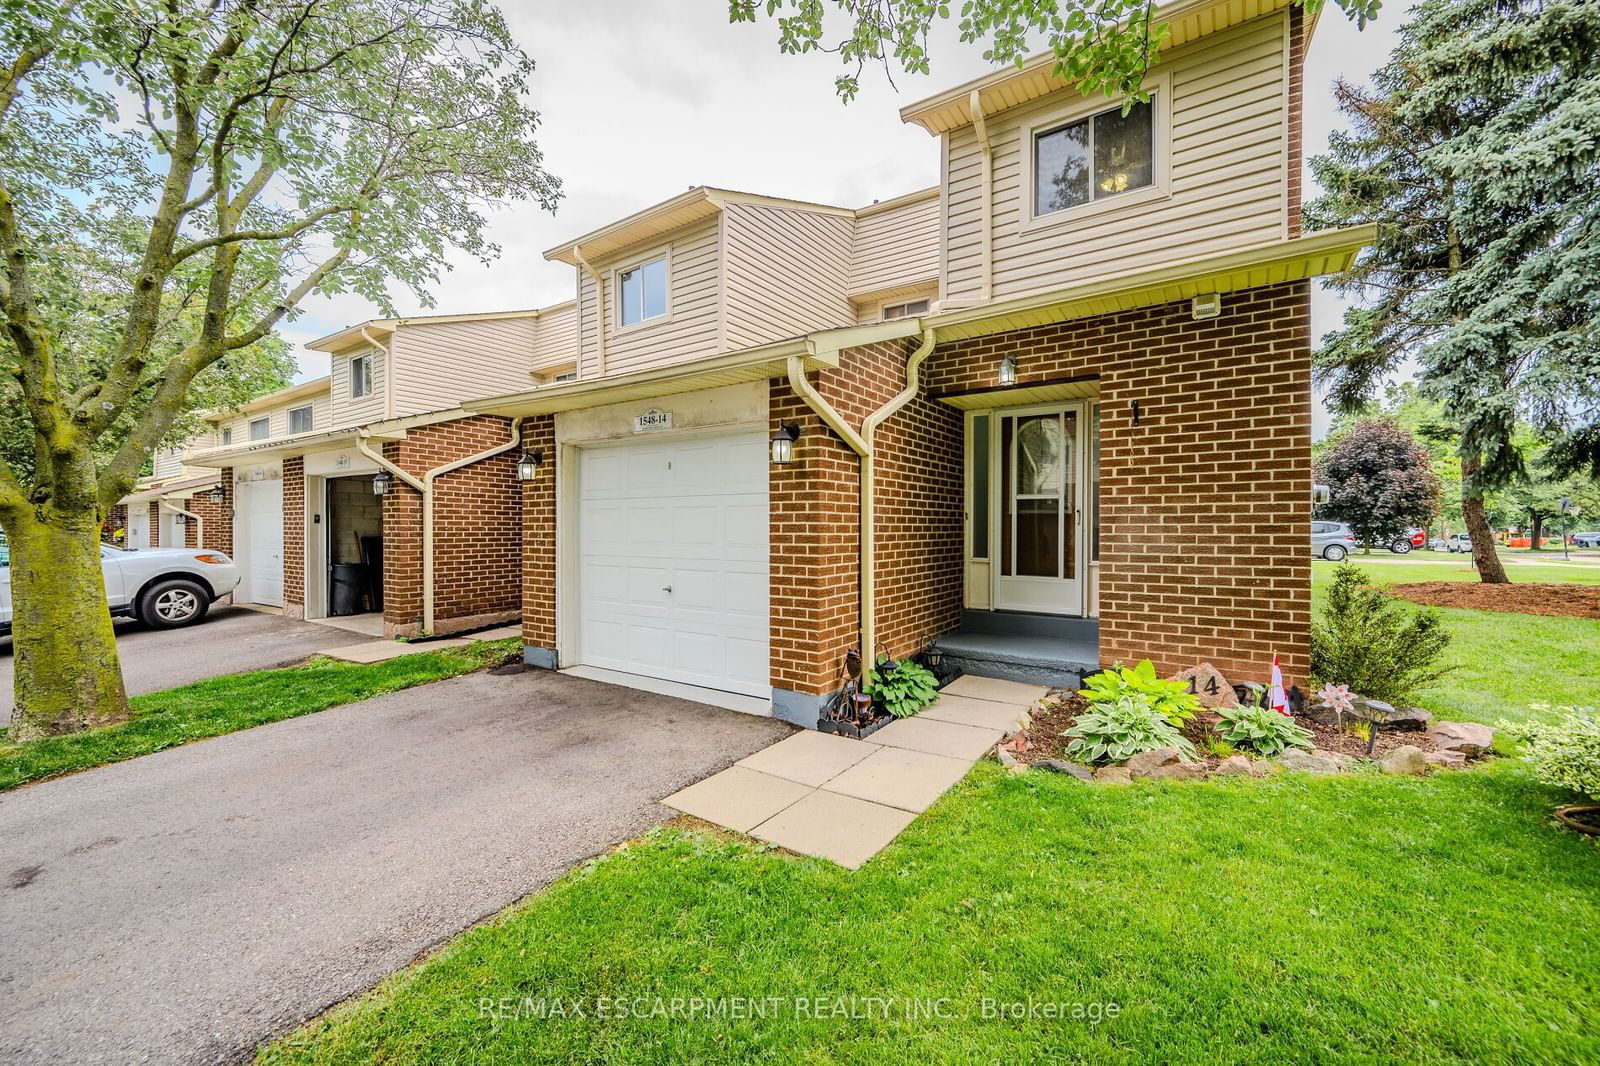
(353, 512)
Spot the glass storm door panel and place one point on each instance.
(1040, 513)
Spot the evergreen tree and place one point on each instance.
(1478, 153)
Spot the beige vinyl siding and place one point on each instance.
(896, 248)
(355, 412)
(1226, 172)
(694, 295)
(555, 338)
(438, 365)
(786, 273)
(277, 417)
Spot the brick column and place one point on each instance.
(539, 545)
(294, 537)
(155, 524)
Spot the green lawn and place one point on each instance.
(1297, 919)
(226, 704)
(1500, 662)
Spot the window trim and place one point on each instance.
(1159, 86)
(366, 377)
(905, 301)
(311, 419)
(614, 281)
(250, 428)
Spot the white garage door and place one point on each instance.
(672, 552)
(261, 513)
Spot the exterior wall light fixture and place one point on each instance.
(381, 482)
(528, 465)
(783, 439)
(216, 495)
(1008, 372)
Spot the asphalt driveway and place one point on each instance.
(230, 641)
(187, 905)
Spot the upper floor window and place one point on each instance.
(909, 309)
(642, 291)
(300, 420)
(1093, 158)
(361, 375)
(260, 428)
(227, 436)
(570, 375)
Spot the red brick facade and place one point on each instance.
(1296, 130)
(116, 519)
(155, 524)
(294, 537)
(539, 536)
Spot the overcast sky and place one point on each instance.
(643, 100)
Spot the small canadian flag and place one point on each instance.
(1280, 701)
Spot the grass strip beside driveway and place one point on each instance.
(227, 704)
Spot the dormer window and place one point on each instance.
(642, 292)
(361, 375)
(1094, 158)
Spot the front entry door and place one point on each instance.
(1039, 452)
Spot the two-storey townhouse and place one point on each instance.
(382, 497)
(1053, 414)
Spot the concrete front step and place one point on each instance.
(1052, 661)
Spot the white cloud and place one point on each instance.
(642, 101)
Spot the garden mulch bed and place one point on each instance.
(1045, 737)
(1558, 601)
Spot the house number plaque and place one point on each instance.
(653, 419)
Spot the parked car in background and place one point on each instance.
(1438, 544)
(162, 587)
(1331, 540)
(1459, 542)
(1586, 540)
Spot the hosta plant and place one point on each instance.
(902, 688)
(1564, 752)
(1172, 700)
(1261, 729)
(1115, 731)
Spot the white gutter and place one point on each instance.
(862, 444)
(599, 317)
(388, 373)
(424, 488)
(986, 203)
(199, 523)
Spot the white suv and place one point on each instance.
(163, 587)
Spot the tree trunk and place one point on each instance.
(67, 674)
(1536, 522)
(1484, 557)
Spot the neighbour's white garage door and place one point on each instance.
(672, 550)
(261, 513)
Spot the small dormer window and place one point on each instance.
(1094, 158)
(642, 292)
(260, 428)
(361, 375)
(908, 309)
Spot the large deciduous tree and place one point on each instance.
(175, 179)
(1101, 46)
(1478, 153)
(1381, 482)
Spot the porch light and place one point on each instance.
(528, 465)
(783, 443)
(935, 657)
(1008, 371)
(216, 495)
(381, 482)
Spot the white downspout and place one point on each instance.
(599, 316)
(424, 488)
(986, 201)
(388, 372)
(862, 445)
(199, 523)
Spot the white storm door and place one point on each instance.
(261, 507)
(138, 526)
(1039, 455)
(672, 560)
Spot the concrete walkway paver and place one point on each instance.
(378, 651)
(845, 800)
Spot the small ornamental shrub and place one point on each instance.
(902, 688)
(1172, 700)
(1565, 752)
(1370, 643)
(1113, 732)
(1261, 729)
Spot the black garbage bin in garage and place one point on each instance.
(349, 584)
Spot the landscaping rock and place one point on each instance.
(1233, 766)
(1176, 771)
(1210, 687)
(1468, 738)
(1409, 720)
(1309, 762)
(1005, 756)
(1406, 759)
(1113, 775)
(1142, 763)
(1263, 768)
(1445, 760)
(1070, 769)
(1338, 758)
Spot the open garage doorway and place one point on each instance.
(353, 550)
